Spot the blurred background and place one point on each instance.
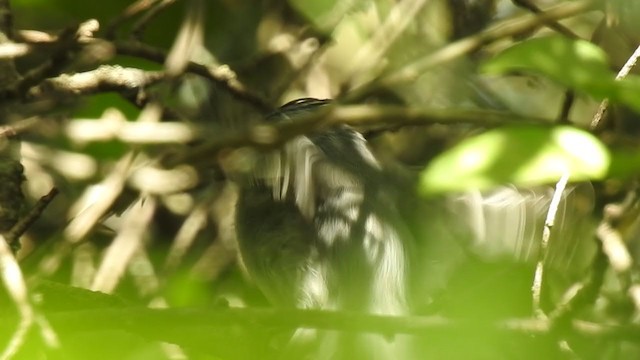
(132, 228)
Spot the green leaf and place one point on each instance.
(577, 64)
(625, 163)
(522, 155)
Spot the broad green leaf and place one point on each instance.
(577, 64)
(625, 163)
(574, 63)
(522, 155)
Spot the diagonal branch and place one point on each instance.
(469, 44)
(222, 75)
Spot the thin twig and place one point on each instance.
(132, 10)
(125, 245)
(137, 31)
(370, 53)
(221, 75)
(597, 122)
(549, 222)
(609, 232)
(18, 127)
(60, 58)
(188, 40)
(469, 44)
(527, 4)
(567, 103)
(92, 209)
(13, 236)
(185, 237)
(35, 37)
(297, 75)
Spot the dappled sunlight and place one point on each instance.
(447, 179)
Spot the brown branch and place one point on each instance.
(565, 109)
(528, 5)
(18, 127)
(598, 122)
(62, 47)
(13, 236)
(132, 10)
(188, 40)
(140, 26)
(363, 117)
(221, 75)
(35, 37)
(103, 79)
(472, 43)
(66, 42)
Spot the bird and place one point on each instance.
(323, 223)
(319, 227)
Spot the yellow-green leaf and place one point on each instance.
(522, 155)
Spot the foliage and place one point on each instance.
(142, 114)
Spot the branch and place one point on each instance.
(472, 43)
(132, 10)
(597, 123)
(549, 222)
(103, 79)
(18, 127)
(363, 117)
(222, 75)
(13, 236)
(65, 44)
(140, 26)
(613, 228)
(116, 127)
(527, 4)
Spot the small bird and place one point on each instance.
(318, 227)
(321, 224)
